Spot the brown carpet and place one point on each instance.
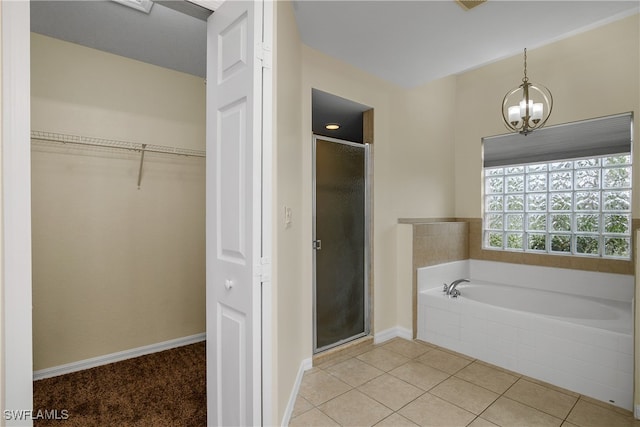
(161, 389)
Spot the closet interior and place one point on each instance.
(118, 200)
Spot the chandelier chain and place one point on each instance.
(525, 78)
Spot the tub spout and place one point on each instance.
(452, 291)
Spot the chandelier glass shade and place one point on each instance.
(528, 106)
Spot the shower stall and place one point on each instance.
(341, 242)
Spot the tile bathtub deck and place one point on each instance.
(408, 383)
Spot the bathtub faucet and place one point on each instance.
(451, 289)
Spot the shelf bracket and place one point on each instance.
(141, 162)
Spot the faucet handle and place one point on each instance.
(445, 287)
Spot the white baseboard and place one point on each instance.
(636, 412)
(116, 357)
(305, 365)
(396, 332)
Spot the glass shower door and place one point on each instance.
(340, 242)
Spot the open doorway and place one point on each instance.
(118, 234)
(17, 194)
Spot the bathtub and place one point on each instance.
(591, 311)
(538, 325)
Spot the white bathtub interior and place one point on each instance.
(570, 328)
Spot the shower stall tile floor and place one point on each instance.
(409, 383)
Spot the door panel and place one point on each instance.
(231, 193)
(340, 227)
(232, 366)
(234, 214)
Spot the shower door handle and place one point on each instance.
(317, 245)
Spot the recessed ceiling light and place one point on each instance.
(332, 126)
(141, 5)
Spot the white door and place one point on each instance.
(234, 212)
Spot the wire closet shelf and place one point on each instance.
(122, 145)
(109, 143)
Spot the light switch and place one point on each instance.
(287, 216)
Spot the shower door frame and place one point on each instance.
(367, 242)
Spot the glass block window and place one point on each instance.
(573, 207)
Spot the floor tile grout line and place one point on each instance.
(420, 361)
(533, 407)
(335, 376)
(572, 408)
(355, 388)
(428, 391)
(499, 395)
(352, 388)
(478, 385)
(435, 385)
(468, 382)
(504, 394)
(415, 358)
(388, 373)
(383, 372)
(396, 410)
(391, 414)
(539, 409)
(471, 363)
(455, 404)
(410, 357)
(337, 395)
(549, 386)
(329, 416)
(412, 385)
(477, 416)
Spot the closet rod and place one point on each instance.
(107, 143)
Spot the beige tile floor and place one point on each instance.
(409, 383)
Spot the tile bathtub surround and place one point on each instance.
(439, 242)
(436, 241)
(465, 244)
(409, 383)
(442, 240)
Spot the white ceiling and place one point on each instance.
(404, 42)
(410, 43)
(164, 37)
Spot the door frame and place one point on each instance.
(16, 331)
(16, 346)
(367, 240)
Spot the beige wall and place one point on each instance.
(591, 74)
(114, 267)
(291, 299)
(422, 148)
(89, 92)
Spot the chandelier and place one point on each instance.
(527, 107)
